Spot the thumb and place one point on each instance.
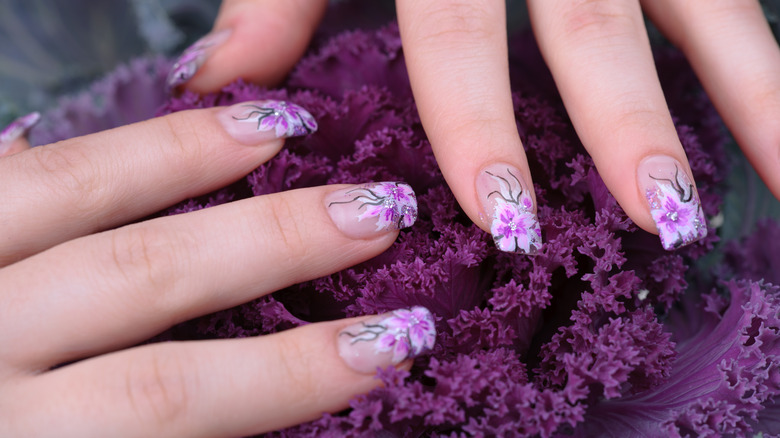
(257, 40)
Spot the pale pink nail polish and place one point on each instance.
(509, 207)
(387, 339)
(17, 129)
(192, 59)
(673, 201)
(364, 211)
(258, 121)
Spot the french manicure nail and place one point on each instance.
(192, 59)
(367, 210)
(387, 339)
(17, 129)
(507, 202)
(674, 202)
(258, 121)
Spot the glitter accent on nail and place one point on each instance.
(406, 333)
(18, 128)
(285, 119)
(392, 204)
(676, 210)
(515, 227)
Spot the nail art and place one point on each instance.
(16, 129)
(513, 223)
(387, 339)
(674, 203)
(253, 122)
(373, 208)
(192, 59)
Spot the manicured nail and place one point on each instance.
(255, 122)
(194, 56)
(387, 339)
(367, 210)
(17, 129)
(674, 203)
(508, 205)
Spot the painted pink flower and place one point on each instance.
(393, 204)
(409, 333)
(284, 118)
(678, 222)
(514, 229)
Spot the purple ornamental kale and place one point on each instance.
(130, 94)
(596, 334)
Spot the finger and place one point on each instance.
(117, 288)
(235, 387)
(257, 40)
(57, 192)
(732, 49)
(599, 54)
(13, 138)
(456, 54)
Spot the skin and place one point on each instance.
(600, 58)
(147, 276)
(77, 284)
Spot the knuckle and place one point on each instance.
(157, 388)
(182, 139)
(145, 258)
(281, 223)
(598, 19)
(71, 172)
(457, 22)
(296, 363)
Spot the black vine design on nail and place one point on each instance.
(393, 204)
(685, 196)
(405, 332)
(284, 118)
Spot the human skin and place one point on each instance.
(599, 55)
(81, 288)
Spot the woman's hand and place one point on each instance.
(77, 290)
(599, 54)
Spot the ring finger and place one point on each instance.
(599, 54)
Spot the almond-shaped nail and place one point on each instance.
(387, 339)
(16, 130)
(673, 200)
(508, 205)
(263, 120)
(192, 59)
(367, 210)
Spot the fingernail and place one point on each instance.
(194, 56)
(674, 203)
(367, 210)
(508, 205)
(255, 122)
(17, 129)
(387, 339)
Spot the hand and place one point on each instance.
(599, 55)
(600, 58)
(80, 289)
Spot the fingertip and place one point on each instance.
(13, 139)
(672, 201)
(265, 41)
